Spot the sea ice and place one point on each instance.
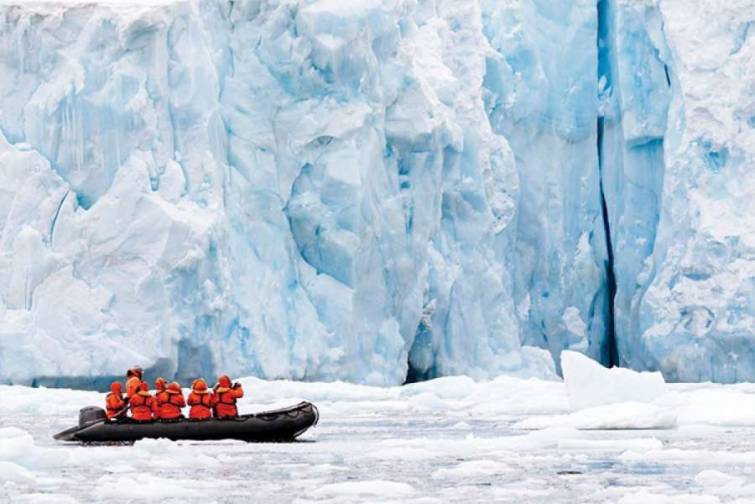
(372, 443)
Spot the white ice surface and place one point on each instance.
(590, 384)
(448, 440)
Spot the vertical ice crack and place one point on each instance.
(604, 84)
(611, 354)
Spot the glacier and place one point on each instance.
(375, 191)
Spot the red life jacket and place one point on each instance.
(115, 405)
(200, 406)
(142, 406)
(132, 386)
(225, 402)
(169, 405)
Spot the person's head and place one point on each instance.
(199, 386)
(135, 371)
(173, 388)
(224, 381)
(160, 384)
(115, 388)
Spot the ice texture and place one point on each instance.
(540, 84)
(696, 321)
(451, 440)
(289, 189)
(375, 190)
(590, 384)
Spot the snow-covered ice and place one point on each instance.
(446, 440)
(590, 384)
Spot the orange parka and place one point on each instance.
(133, 381)
(224, 398)
(200, 401)
(132, 386)
(160, 384)
(169, 402)
(114, 403)
(142, 405)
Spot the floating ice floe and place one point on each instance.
(613, 398)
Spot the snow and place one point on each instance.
(373, 444)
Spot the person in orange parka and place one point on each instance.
(133, 381)
(169, 402)
(200, 401)
(142, 405)
(160, 385)
(224, 398)
(114, 403)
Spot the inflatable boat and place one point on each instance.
(284, 424)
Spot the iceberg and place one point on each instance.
(376, 191)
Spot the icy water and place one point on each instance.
(452, 440)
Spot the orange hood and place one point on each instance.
(160, 384)
(224, 383)
(173, 388)
(199, 386)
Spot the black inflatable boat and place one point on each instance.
(284, 424)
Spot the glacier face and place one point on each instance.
(697, 319)
(541, 96)
(375, 190)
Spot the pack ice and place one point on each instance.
(376, 190)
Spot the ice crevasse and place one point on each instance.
(376, 190)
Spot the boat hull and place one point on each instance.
(279, 425)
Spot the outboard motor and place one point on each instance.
(91, 415)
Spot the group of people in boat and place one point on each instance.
(168, 400)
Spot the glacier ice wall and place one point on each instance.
(634, 90)
(541, 95)
(696, 320)
(306, 190)
(375, 190)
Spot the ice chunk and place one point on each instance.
(645, 497)
(144, 486)
(716, 407)
(17, 446)
(590, 384)
(619, 416)
(45, 498)
(366, 489)
(11, 472)
(637, 444)
(473, 469)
